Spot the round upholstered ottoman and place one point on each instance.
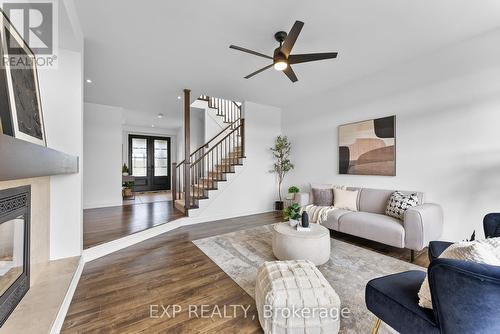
(293, 297)
(290, 244)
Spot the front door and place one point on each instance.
(149, 161)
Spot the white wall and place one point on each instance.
(254, 189)
(197, 129)
(448, 145)
(102, 136)
(62, 99)
(213, 124)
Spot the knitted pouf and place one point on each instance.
(293, 297)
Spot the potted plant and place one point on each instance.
(127, 189)
(292, 191)
(282, 164)
(293, 214)
(125, 170)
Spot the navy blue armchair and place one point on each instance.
(491, 226)
(465, 295)
(465, 299)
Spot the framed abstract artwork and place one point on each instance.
(20, 106)
(368, 147)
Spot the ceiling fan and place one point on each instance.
(282, 59)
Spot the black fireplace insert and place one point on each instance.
(15, 208)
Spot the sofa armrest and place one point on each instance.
(422, 224)
(302, 199)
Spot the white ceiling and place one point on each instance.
(141, 54)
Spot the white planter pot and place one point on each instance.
(125, 174)
(293, 222)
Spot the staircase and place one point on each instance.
(210, 163)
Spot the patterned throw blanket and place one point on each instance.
(317, 214)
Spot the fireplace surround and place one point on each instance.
(15, 210)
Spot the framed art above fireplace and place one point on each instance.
(20, 105)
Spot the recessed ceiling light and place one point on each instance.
(88, 81)
(160, 115)
(179, 97)
(152, 125)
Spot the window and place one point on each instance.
(161, 157)
(139, 157)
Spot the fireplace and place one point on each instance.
(14, 248)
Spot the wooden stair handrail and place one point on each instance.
(218, 143)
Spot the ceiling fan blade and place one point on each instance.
(249, 51)
(290, 39)
(303, 58)
(258, 71)
(290, 73)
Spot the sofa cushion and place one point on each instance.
(345, 199)
(380, 228)
(322, 197)
(394, 299)
(332, 221)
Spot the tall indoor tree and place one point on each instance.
(282, 164)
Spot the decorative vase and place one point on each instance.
(305, 219)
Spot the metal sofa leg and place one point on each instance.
(412, 255)
(376, 326)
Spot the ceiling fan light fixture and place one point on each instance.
(280, 65)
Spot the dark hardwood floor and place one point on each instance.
(115, 292)
(106, 224)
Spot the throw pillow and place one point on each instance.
(323, 186)
(345, 199)
(399, 203)
(485, 251)
(322, 197)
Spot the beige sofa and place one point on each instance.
(421, 224)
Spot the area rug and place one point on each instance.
(240, 253)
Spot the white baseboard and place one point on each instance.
(63, 310)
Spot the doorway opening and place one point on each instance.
(150, 161)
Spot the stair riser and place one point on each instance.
(224, 168)
(236, 155)
(232, 161)
(209, 183)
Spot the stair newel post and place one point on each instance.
(174, 181)
(242, 136)
(187, 153)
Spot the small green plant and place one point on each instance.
(128, 185)
(125, 168)
(292, 212)
(293, 190)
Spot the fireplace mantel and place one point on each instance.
(20, 159)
